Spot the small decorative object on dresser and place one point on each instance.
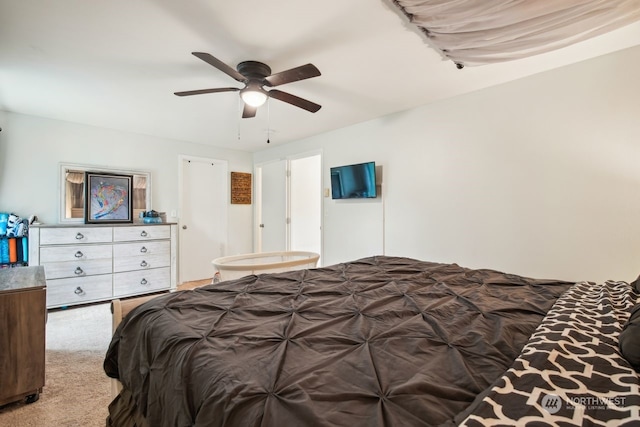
(89, 263)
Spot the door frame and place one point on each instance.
(225, 191)
(258, 202)
(311, 153)
(257, 211)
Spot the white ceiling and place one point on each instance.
(116, 63)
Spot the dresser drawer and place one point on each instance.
(125, 250)
(141, 232)
(74, 253)
(140, 263)
(78, 290)
(138, 282)
(57, 270)
(82, 235)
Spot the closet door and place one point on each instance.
(203, 216)
(271, 206)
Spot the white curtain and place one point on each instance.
(477, 32)
(73, 192)
(75, 177)
(139, 182)
(140, 192)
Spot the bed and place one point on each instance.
(380, 341)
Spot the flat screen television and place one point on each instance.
(354, 181)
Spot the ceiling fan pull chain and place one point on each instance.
(240, 106)
(268, 120)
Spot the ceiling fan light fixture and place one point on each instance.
(256, 76)
(253, 95)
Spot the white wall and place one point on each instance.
(32, 148)
(537, 177)
(306, 203)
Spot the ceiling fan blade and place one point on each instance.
(209, 59)
(294, 100)
(249, 111)
(293, 75)
(202, 91)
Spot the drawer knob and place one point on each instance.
(78, 291)
(144, 282)
(79, 254)
(143, 234)
(79, 236)
(143, 263)
(143, 250)
(78, 271)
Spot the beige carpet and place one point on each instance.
(77, 392)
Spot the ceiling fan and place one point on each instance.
(255, 76)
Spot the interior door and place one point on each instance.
(272, 207)
(203, 216)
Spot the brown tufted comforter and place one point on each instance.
(381, 341)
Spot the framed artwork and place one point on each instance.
(108, 198)
(240, 188)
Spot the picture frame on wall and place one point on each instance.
(240, 188)
(108, 198)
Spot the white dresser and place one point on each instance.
(88, 263)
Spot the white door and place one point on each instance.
(305, 183)
(272, 206)
(203, 216)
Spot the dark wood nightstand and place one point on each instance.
(22, 333)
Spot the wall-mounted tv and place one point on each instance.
(354, 181)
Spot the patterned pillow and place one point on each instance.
(629, 339)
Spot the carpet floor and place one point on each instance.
(77, 392)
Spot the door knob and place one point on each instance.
(184, 227)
